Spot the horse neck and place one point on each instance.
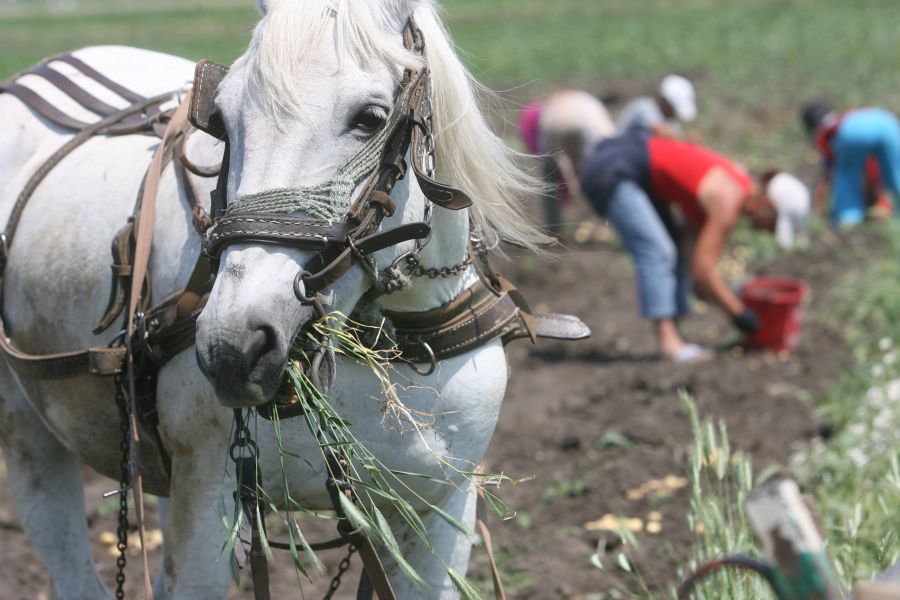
(448, 247)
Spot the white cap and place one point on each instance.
(679, 92)
(790, 197)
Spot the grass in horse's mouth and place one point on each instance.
(368, 345)
(372, 480)
(365, 344)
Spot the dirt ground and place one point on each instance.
(587, 421)
(592, 420)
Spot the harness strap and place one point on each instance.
(273, 229)
(121, 126)
(98, 361)
(443, 195)
(104, 126)
(326, 268)
(41, 106)
(143, 240)
(247, 498)
(73, 90)
(200, 218)
(121, 274)
(477, 315)
(206, 171)
(99, 77)
(471, 319)
(374, 569)
(218, 198)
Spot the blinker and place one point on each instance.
(203, 114)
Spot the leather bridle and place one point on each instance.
(338, 245)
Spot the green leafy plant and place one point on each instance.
(855, 474)
(719, 482)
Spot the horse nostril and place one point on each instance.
(262, 346)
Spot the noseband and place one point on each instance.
(337, 243)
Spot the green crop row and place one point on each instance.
(753, 61)
(853, 476)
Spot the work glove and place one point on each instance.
(747, 321)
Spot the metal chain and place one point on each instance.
(342, 568)
(478, 245)
(124, 483)
(415, 268)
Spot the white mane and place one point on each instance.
(469, 155)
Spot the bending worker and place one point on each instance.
(860, 149)
(664, 112)
(639, 182)
(561, 129)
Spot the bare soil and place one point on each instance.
(586, 421)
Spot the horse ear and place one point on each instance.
(262, 6)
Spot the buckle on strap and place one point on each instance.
(106, 361)
(4, 252)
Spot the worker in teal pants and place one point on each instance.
(849, 143)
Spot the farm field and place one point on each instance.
(591, 421)
(586, 424)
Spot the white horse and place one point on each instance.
(318, 78)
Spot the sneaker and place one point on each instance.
(692, 353)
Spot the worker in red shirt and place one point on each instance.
(860, 151)
(673, 205)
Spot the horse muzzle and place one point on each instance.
(246, 365)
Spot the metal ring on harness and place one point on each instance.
(300, 293)
(314, 365)
(431, 358)
(242, 442)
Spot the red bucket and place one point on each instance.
(777, 301)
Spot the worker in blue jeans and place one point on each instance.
(640, 182)
(857, 146)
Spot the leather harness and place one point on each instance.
(490, 308)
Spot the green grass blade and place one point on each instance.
(387, 538)
(465, 589)
(295, 555)
(451, 520)
(498, 506)
(261, 530)
(359, 519)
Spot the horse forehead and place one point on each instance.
(332, 59)
(343, 75)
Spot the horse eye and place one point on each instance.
(370, 119)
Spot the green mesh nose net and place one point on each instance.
(328, 201)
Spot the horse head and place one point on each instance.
(307, 111)
(327, 115)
